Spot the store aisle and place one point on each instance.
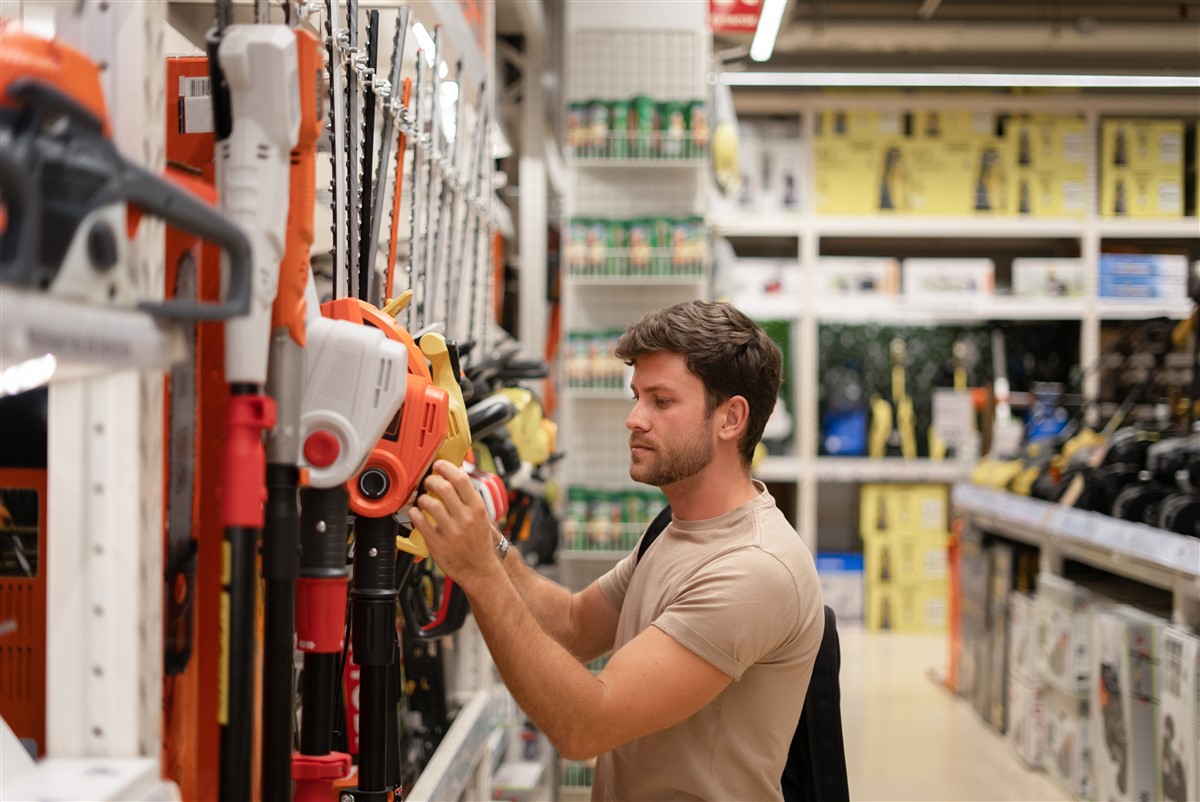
(907, 738)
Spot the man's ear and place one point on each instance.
(735, 418)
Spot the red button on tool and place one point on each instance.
(321, 449)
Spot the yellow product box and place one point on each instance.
(1149, 145)
(862, 176)
(1051, 142)
(909, 607)
(963, 176)
(1051, 193)
(952, 123)
(896, 559)
(859, 124)
(1126, 192)
(911, 509)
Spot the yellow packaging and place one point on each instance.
(1126, 192)
(859, 124)
(909, 607)
(952, 123)
(963, 176)
(1051, 193)
(899, 559)
(1142, 144)
(903, 509)
(1056, 143)
(862, 176)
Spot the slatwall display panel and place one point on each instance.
(604, 307)
(665, 64)
(598, 443)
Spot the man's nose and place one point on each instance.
(635, 419)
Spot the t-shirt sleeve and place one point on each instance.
(615, 583)
(734, 611)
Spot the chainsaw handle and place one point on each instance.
(421, 619)
(181, 209)
(21, 232)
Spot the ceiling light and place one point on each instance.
(768, 28)
(957, 79)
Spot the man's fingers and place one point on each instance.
(458, 479)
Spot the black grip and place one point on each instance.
(323, 529)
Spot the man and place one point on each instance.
(713, 637)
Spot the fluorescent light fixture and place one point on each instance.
(957, 79)
(425, 41)
(768, 28)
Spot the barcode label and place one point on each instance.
(1072, 196)
(1170, 197)
(195, 87)
(1170, 148)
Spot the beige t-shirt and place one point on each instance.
(741, 591)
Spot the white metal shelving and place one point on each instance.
(808, 309)
(1144, 553)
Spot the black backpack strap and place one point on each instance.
(655, 529)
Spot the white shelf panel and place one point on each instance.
(889, 469)
(756, 225)
(1139, 310)
(1178, 228)
(778, 469)
(1140, 552)
(450, 770)
(897, 309)
(944, 227)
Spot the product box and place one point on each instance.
(1047, 277)
(1062, 657)
(862, 176)
(1143, 265)
(969, 659)
(858, 275)
(995, 712)
(1051, 142)
(1142, 144)
(1178, 715)
(908, 607)
(1141, 194)
(1155, 290)
(770, 178)
(962, 176)
(1051, 193)
(1068, 749)
(841, 576)
(947, 279)
(754, 280)
(903, 509)
(1022, 630)
(859, 124)
(1123, 702)
(1011, 566)
(1026, 719)
(933, 124)
(907, 558)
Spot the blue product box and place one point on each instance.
(1149, 292)
(1142, 264)
(841, 575)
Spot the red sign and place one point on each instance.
(734, 16)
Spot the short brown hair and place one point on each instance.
(721, 346)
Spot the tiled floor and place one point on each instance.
(908, 738)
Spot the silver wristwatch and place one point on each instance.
(502, 547)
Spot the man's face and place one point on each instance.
(671, 436)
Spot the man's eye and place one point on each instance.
(662, 402)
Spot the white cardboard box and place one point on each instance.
(1026, 719)
(857, 275)
(1037, 277)
(1062, 638)
(1022, 619)
(1124, 736)
(946, 279)
(1179, 715)
(1068, 755)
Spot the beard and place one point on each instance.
(668, 464)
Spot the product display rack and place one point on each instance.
(1089, 232)
(602, 294)
(1139, 552)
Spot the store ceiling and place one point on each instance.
(1009, 35)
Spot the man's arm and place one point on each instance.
(650, 684)
(585, 622)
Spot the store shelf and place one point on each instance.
(638, 281)
(586, 162)
(602, 394)
(889, 469)
(898, 310)
(949, 227)
(1179, 228)
(1139, 310)
(453, 765)
(778, 469)
(759, 225)
(1143, 553)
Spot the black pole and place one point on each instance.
(281, 567)
(237, 726)
(373, 612)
